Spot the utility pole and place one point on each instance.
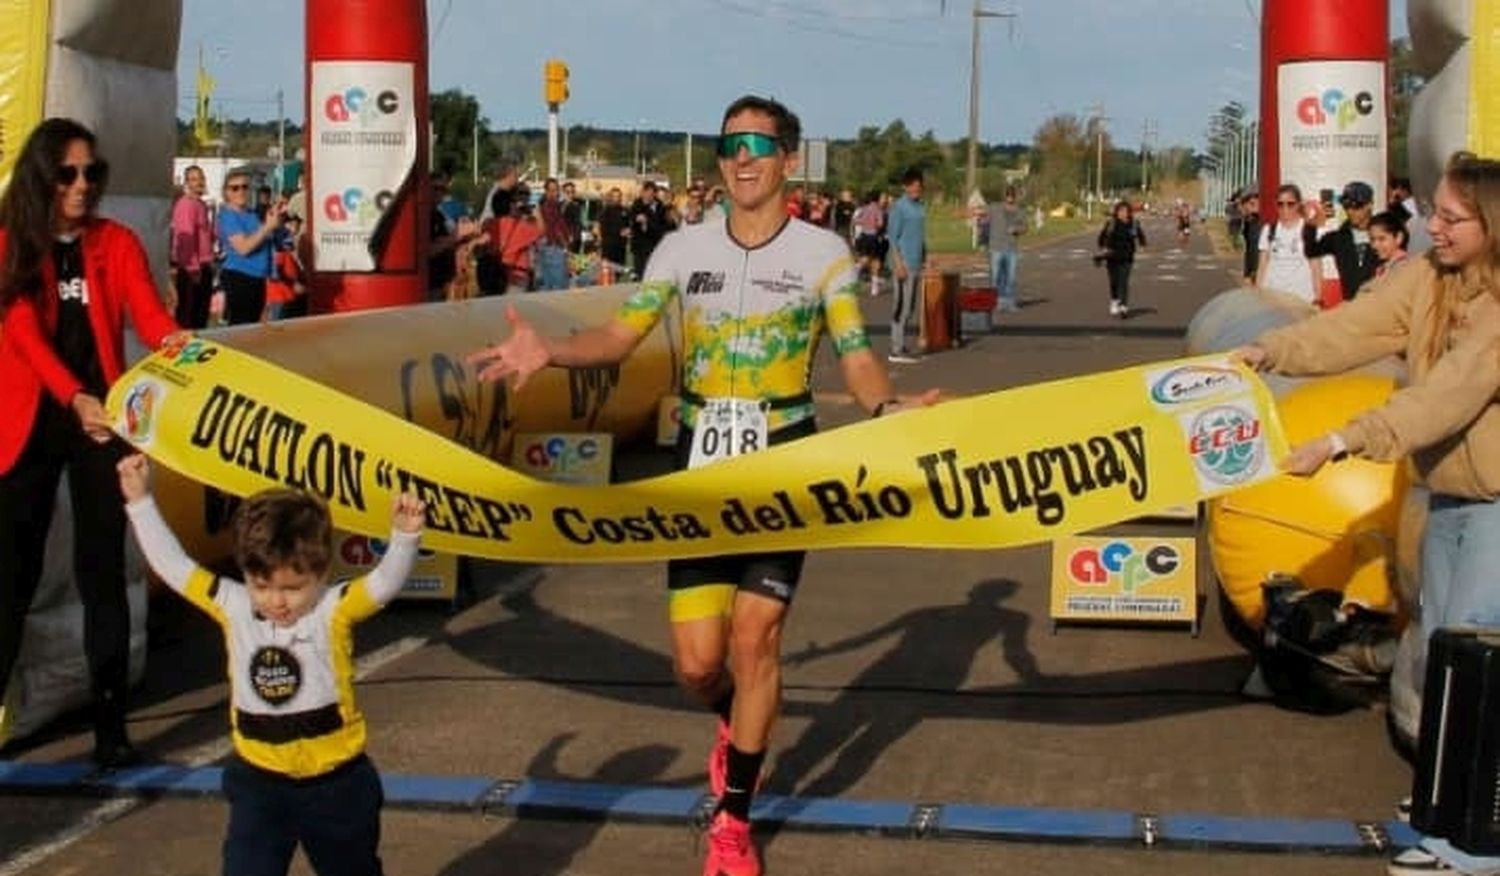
(474, 149)
(1148, 131)
(687, 164)
(971, 174)
(1099, 120)
(280, 140)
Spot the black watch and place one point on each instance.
(880, 408)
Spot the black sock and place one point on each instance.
(744, 773)
(723, 704)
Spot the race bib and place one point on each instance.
(728, 427)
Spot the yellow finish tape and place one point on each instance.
(1008, 468)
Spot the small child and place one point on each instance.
(300, 773)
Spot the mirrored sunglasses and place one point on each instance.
(757, 144)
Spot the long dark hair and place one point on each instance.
(27, 209)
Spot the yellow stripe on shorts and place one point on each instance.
(701, 602)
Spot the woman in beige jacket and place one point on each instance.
(1442, 313)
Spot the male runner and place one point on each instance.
(756, 292)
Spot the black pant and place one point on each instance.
(244, 297)
(27, 496)
(1119, 281)
(194, 289)
(336, 818)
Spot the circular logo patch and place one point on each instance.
(275, 674)
(1226, 444)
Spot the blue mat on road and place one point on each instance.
(590, 801)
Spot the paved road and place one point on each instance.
(949, 685)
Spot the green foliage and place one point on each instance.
(1060, 149)
(1060, 159)
(1405, 82)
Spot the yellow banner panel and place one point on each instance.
(1484, 81)
(23, 75)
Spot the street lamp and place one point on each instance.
(972, 171)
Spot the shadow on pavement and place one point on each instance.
(919, 678)
(937, 645)
(529, 847)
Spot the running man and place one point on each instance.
(756, 294)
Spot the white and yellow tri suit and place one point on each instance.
(752, 319)
(292, 709)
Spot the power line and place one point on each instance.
(759, 12)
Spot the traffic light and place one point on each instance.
(555, 84)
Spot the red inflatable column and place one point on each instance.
(1323, 96)
(367, 144)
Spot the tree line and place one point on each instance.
(1055, 168)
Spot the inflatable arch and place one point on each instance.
(111, 64)
(1327, 528)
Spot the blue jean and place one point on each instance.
(1003, 271)
(1460, 553)
(551, 267)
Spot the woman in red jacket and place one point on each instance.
(68, 278)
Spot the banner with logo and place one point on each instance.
(1008, 468)
(565, 457)
(364, 146)
(1124, 579)
(1333, 125)
(23, 76)
(434, 576)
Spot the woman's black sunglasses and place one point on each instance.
(93, 173)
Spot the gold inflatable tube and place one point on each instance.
(410, 361)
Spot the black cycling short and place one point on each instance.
(772, 574)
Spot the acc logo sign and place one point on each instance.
(191, 352)
(356, 103)
(557, 454)
(363, 552)
(140, 411)
(1315, 111)
(1120, 559)
(1226, 444)
(353, 205)
(1189, 384)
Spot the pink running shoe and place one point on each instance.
(730, 852)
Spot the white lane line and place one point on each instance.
(113, 810)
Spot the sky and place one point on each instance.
(673, 65)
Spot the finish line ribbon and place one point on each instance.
(1004, 469)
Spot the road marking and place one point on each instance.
(113, 810)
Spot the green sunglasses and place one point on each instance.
(757, 144)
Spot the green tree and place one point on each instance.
(1059, 149)
(1224, 126)
(455, 120)
(1405, 82)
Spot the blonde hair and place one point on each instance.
(1475, 182)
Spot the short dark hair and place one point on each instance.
(788, 126)
(282, 528)
(913, 174)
